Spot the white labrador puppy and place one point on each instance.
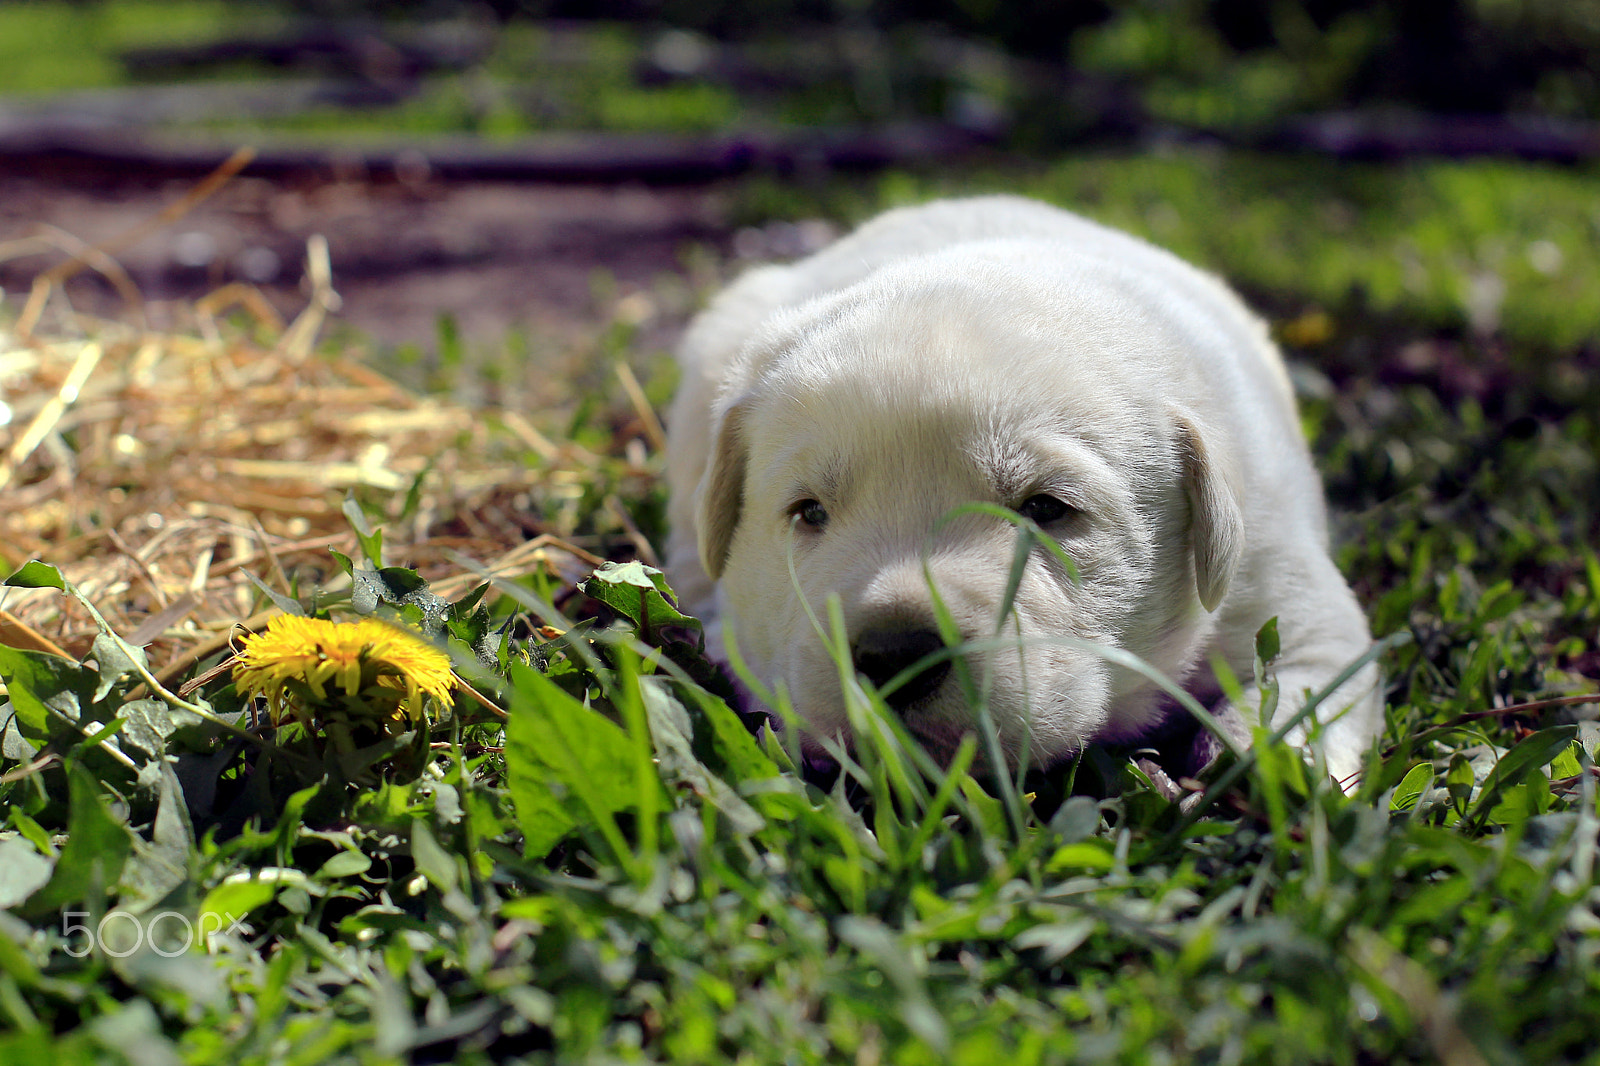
(1003, 351)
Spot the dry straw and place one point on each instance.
(159, 469)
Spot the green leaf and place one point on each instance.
(344, 864)
(1084, 855)
(1056, 940)
(1267, 643)
(566, 766)
(98, 845)
(112, 657)
(1485, 657)
(471, 623)
(135, 1026)
(674, 732)
(161, 864)
(371, 540)
(13, 745)
(1460, 780)
(16, 966)
(640, 594)
(1434, 903)
(1567, 764)
(345, 562)
(1411, 787)
(722, 740)
(32, 831)
(148, 723)
(1077, 819)
(540, 802)
(397, 587)
(413, 498)
(23, 871)
(1267, 648)
(1530, 756)
(287, 604)
(37, 575)
(433, 862)
(468, 603)
(990, 812)
(883, 948)
(232, 900)
(39, 682)
(1021, 552)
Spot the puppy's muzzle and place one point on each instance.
(881, 654)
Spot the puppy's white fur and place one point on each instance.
(988, 350)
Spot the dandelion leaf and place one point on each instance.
(567, 765)
(37, 575)
(640, 594)
(22, 871)
(115, 662)
(39, 683)
(98, 845)
(397, 587)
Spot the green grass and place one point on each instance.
(621, 872)
(532, 80)
(51, 45)
(1429, 245)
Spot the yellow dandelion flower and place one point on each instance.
(310, 668)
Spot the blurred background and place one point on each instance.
(534, 168)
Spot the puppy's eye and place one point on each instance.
(811, 513)
(1044, 510)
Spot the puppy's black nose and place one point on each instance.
(880, 654)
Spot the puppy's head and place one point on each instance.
(854, 431)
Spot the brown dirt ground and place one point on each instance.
(494, 256)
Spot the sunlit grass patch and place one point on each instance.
(1483, 248)
(59, 45)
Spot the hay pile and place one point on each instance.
(159, 470)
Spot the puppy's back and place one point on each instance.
(717, 335)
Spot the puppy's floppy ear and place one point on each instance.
(1216, 523)
(720, 497)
